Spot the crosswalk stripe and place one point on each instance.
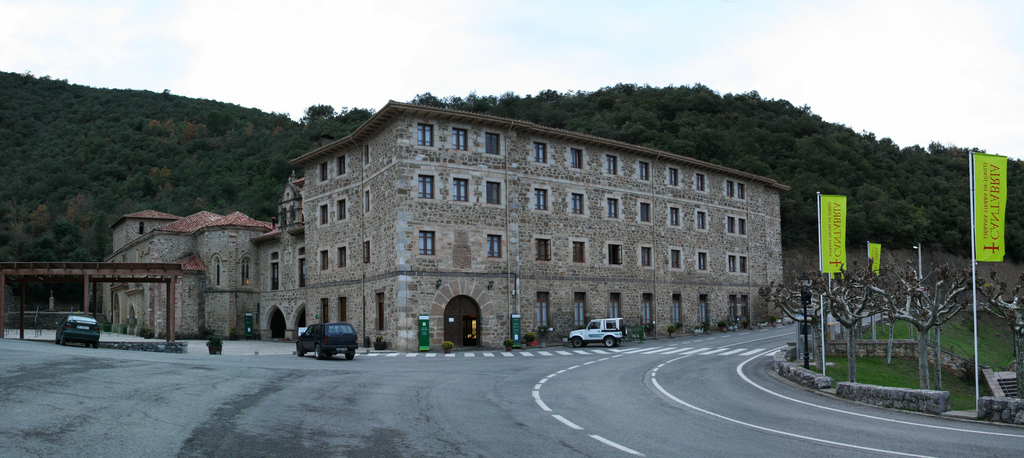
(392, 355)
(752, 352)
(564, 353)
(733, 352)
(639, 350)
(526, 353)
(431, 355)
(657, 350)
(581, 352)
(470, 355)
(506, 353)
(714, 351)
(678, 350)
(412, 355)
(544, 353)
(667, 350)
(449, 355)
(697, 350)
(600, 352)
(489, 355)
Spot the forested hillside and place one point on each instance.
(76, 158)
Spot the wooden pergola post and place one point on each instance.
(3, 302)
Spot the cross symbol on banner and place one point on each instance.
(992, 248)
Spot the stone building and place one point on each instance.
(469, 219)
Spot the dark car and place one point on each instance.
(78, 328)
(327, 339)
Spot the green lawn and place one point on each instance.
(903, 373)
(995, 342)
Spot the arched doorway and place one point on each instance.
(462, 322)
(277, 325)
(300, 319)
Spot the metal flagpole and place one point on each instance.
(974, 283)
(821, 298)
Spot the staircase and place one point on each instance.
(1002, 384)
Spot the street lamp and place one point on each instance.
(805, 297)
(918, 248)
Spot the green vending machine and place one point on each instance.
(248, 325)
(424, 332)
(515, 331)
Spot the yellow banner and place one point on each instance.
(833, 233)
(989, 207)
(875, 253)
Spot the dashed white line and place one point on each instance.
(613, 444)
(567, 422)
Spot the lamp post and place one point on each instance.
(918, 248)
(805, 297)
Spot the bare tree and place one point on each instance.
(1011, 310)
(849, 299)
(906, 298)
(788, 300)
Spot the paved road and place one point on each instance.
(671, 397)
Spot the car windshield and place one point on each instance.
(340, 329)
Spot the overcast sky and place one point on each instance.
(913, 71)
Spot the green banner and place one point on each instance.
(424, 333)
(833, 233)
(875, 254)
(989, 207)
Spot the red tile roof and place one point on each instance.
(241, 220)
(192, 223)
(192, 264)
(146, 214)
(268, 236)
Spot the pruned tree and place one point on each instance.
(1012, 310)
(787, 298)
(850, 298)
(907, 298)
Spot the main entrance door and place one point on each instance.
(462, 322)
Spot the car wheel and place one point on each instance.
(609, 341)
(299, 350)
(577, 342)
(318, 352)
(95, 345)
(63, 340)
(350, 355)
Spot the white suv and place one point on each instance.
(609, 331)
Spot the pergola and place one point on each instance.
(88, 273)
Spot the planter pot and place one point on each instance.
(508, 348)
(214, 350)
(721, 329)
(447, 350)
(380, 345)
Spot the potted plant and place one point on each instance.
(721, 325)
(746, 324)
(508, 344)
(771, 320)
(447, 346)
(379, 344)
(215, 344)
(530, 339)
(671, 330)
(232, 334)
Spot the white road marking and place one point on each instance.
(544, 353)
(714, 351)
(697, 350)
(678, 350)
(564, 353)
(536, 397)
(751, 352)
(526, 353)
(733, 352)
(431, 355)
(613, 444)
(470, 355)
(506, 353)
(488, 355)
(567, 422)
(657, 350)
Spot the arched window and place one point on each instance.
(142, 227)
(216, 262)
(245, 272)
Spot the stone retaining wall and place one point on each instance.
(929, 401)
(800, 375)
(158, 347)
(900, 349)
(1003, 410)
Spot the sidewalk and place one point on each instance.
(195, 347)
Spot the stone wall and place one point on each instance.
(1003, 410)
(158, 347)
(795, 373)
(900, 349)
(929, 401)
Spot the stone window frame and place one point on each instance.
(643, 170)
(367, 247)
(539, 153)
(572, 254)
(703, 307)
(580, 304)
(582, 158)
(460, 133)
(615, 304)
(608, 197)
(648, 308)
(612, 161)
(608, 253)
(428, 179)
(585, 212)
(325, 216)
(216, 272)
(430, 247)
(341, 209)
(340, 167)
(739, 225)
(275, 276)
(543, 312)
(468, 189)
(672, 176)
(734, 189)
(245, 279)
(487, 143)
(674, 216)
(641, 204)
(731, 263)
(424, 134)
(500, 238)
(702, 257)
(740, 263)
(366, 199)
(548, 198)
(323, 172)
(700, 182)
(342, 256)
(538, 241)
(325, 260)
(676, 307)
(487, 192)
(645, 253)
(700, 216)
(682, 259)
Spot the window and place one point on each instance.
(459, 139)
(732, 263)
(733, 310)
(366, 252)
(579, 252)
(275, 276)
(644, 170)
(302, 272)
(323, 214)
(367, 194)
(673, 216)
(342, 214)
(701, 220)
(426, 242)
(741, 191)
(366, 154)
(741, 226)
(743, 264)
(542, 308)
(702, 308)
(460, 189)
(245, 272)
(645, 256)
(426, 187)
(323, 171)
(342, 256)
(677, 306)
(323, 260)
(493, 192)
(577, 204)
(540, 152)
(142, 227)
(380, 311)
(543, 249)
(744, 307)
(613, 208)
(613, 306)
(424, 135)
(218, 271)
(702, 261)
(611, 165)
(325, 309)
(343, 309)
(698, 182)
(492, 142)
(729, 188)
(676, 259)
(540, 199)
(730, 225)
(341, 165)
(645, 212)
(673, 177)
(579, 309)
(614, 254)
(647, 308)
(575, 158)
(493, 246)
